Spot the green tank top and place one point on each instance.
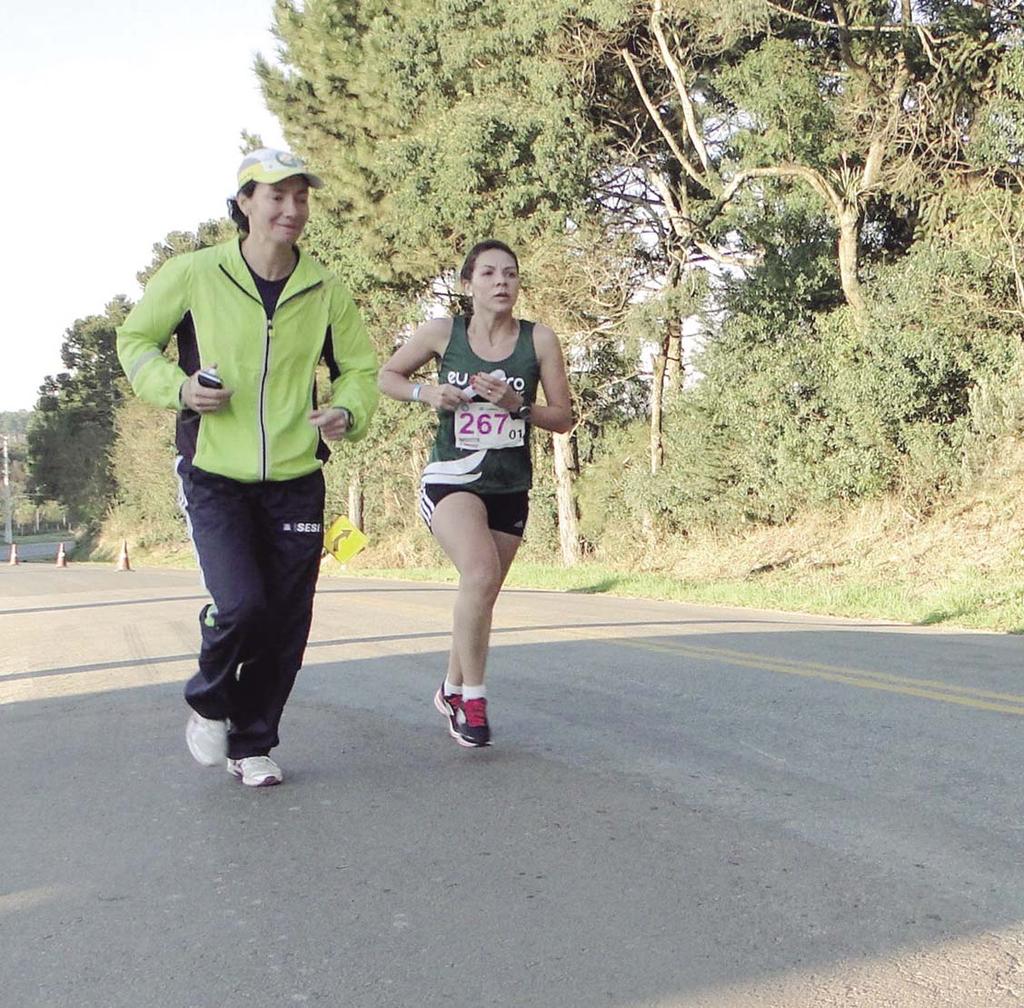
(484, 470)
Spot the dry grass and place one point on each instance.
(960, 563)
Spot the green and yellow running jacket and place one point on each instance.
(209, 301)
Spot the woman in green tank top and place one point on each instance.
(474, 492)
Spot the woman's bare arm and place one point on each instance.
(428, 342)
(555, 414)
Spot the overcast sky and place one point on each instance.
(121, 122)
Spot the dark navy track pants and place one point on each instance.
(259, 548)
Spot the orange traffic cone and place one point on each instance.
(122, 560)
(62, 560)
(14, 554)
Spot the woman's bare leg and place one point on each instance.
(482, 558)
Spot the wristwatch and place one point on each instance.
(524, 411)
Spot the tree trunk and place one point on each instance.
(566, 470)
(355, 501)
(849, 241)
(674, 357)
(657, 408)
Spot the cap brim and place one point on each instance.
(271, 178)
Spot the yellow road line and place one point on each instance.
(929, 689)
(925, 688)
(892, 679)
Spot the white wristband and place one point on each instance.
(416, 393)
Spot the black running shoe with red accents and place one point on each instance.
(448, 707)
(471, 727)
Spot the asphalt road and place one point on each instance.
(39, 552)
(685, 807)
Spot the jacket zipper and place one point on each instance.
(268, 332)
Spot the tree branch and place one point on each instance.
(846, 49)
(831, 26)
(785, 170)
(659, 121)
(677, 77)
(687, 231)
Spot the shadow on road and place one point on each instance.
(673, 819)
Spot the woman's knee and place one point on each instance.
(481, 579)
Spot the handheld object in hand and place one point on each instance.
(209, 378)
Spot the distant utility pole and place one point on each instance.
(8, 535)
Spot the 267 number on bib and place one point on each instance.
(480, 425)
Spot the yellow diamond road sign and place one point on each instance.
(343, 540)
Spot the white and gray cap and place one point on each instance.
(270, 166)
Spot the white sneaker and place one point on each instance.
(207, 740)
(256, 771)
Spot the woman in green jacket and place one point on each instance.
(252, 318)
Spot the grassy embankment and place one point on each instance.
(47, 537)
(960, 564)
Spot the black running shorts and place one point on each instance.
(506, 512)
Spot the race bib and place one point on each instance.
(482, 425)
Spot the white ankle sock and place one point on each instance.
(450, 688)
(474, 692)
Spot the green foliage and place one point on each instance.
(798, 413)
(211, 232)
(30, 518)
(141, 459)
(14, 422)
(999, 141)
(76, 425)
(389, 472)
(784, 111)
(436, 124)
(71, 430)
(454, 124)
